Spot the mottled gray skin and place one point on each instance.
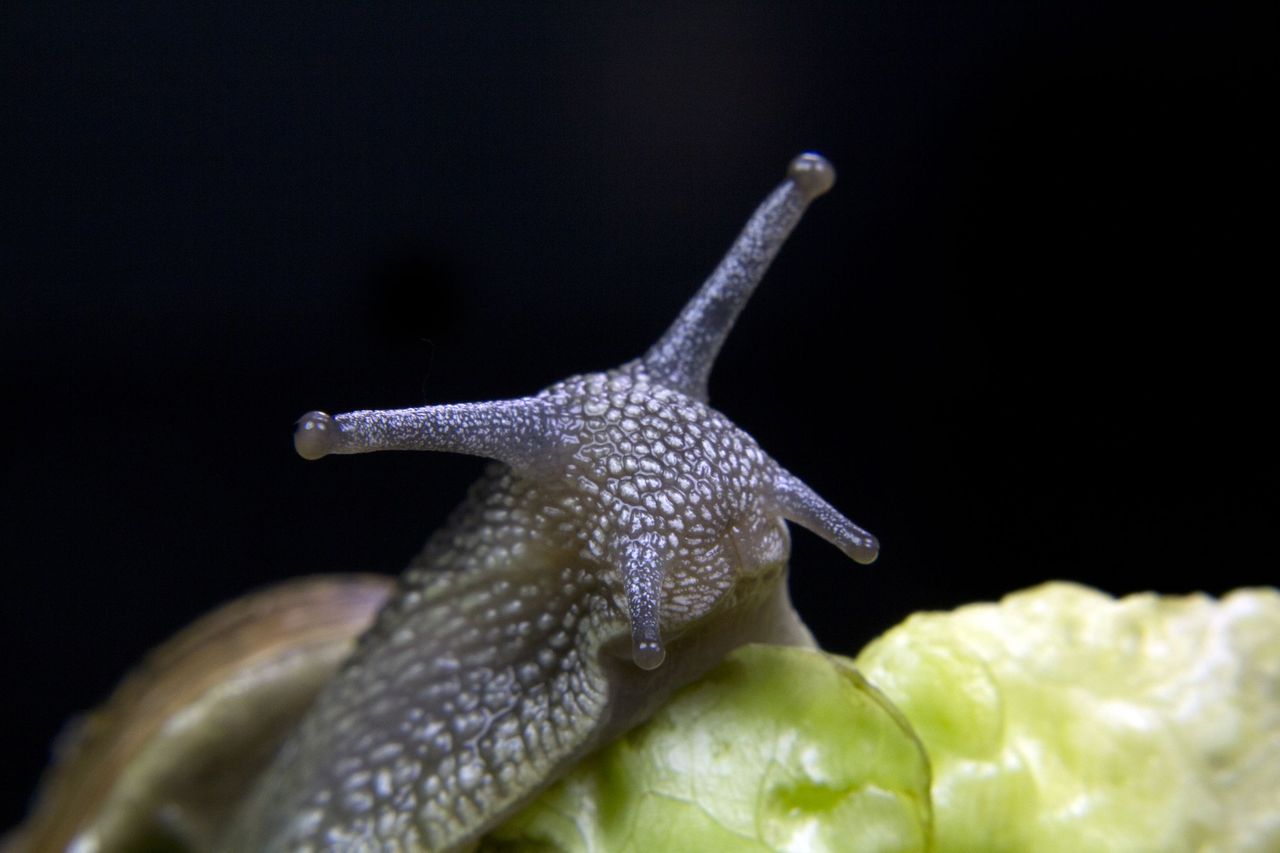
(628, 539)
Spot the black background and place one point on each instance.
(1024, 338)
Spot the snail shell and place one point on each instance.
(165, 760)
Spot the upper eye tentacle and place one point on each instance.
(683, 357)
(517, 432)
(795, 501)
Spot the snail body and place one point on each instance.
(626, 538)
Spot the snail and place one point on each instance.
(625, 539)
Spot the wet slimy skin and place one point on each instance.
(627, 538)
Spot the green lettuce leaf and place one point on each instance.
(1063, 719)
(1057, 719)
(775, 749)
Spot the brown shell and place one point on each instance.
(165, 759)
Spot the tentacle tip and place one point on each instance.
(313, 437)
(867, 554)
(812, 174)
(648, 654)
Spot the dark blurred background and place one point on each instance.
(1024, 338)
